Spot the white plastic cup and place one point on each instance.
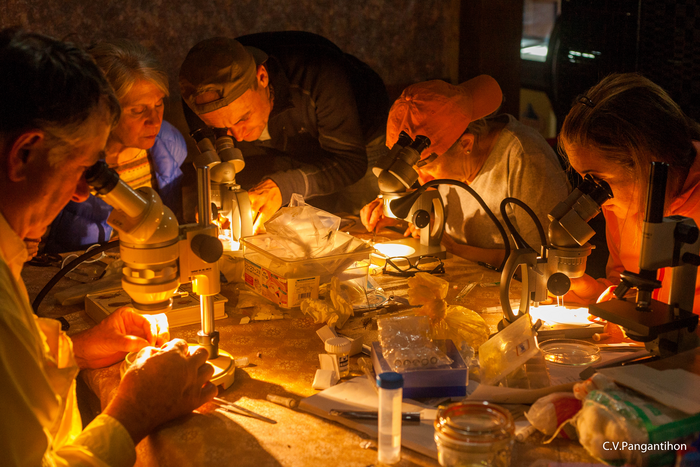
(390, 386)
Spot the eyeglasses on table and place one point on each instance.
(405, 267)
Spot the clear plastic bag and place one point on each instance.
(334, 310)
(406, 344)
(553, 410)
(304, 231)
(623, 427)
(461, 325)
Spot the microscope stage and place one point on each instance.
(659, 320)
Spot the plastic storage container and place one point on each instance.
(474, 434)
(507, 350)
(287, 282)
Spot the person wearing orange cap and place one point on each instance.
(496, 155)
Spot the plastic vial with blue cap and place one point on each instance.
(390, 399)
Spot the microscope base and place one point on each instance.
(224, 368)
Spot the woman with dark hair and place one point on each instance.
(613, 133)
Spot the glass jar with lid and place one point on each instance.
(474, 434)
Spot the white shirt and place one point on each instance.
(40, 422)
(521, 165)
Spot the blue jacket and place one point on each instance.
(80, 225)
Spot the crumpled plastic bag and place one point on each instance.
(596, 382)
(455, 322)
(303, 230)
(553, 410)
(463, 326)
(605, 417)
(406, 344)
(333, 310)
(613, 414)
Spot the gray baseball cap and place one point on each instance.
(221, 66)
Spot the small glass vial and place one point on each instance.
(474, 434)
(340, 347)
(390, 386)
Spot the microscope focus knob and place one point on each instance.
(558, 283)
(421, 218)
(686, 233)
(208, 248)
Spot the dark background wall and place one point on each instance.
(405, 41)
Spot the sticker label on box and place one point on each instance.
(523, 347)
(286, 293)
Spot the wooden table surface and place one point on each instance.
(284, 357)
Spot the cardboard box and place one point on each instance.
(437, 382)
(286, 282)
(283, 292)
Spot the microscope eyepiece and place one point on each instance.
(420, 144)
(598, 190)
(404, 140)
(397, 173)
(101, 178)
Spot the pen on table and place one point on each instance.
(255, 220)
(370, 415)
(486, 265)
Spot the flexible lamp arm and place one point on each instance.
(402, 206)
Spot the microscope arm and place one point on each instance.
(402, 204)
(524, 259)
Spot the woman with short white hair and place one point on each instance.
(142, 148)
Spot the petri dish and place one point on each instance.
(570, 352)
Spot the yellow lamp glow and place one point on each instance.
(391, 250)
(553, 314)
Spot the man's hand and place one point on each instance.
(161, 385)
(584, 291)
(412, 231)
(608, 294)
(32, 245)
(373, 218)
(265, 198)
(121, 332)
(449, 243)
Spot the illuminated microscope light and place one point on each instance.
(226, 233)
(391, 250)
(554, 314)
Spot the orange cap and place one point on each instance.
(442, 111)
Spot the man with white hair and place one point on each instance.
(56, 112)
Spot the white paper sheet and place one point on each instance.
(674, 388)
(358, 394)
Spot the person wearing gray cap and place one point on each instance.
(306, 116)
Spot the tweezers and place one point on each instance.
(229, 407)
